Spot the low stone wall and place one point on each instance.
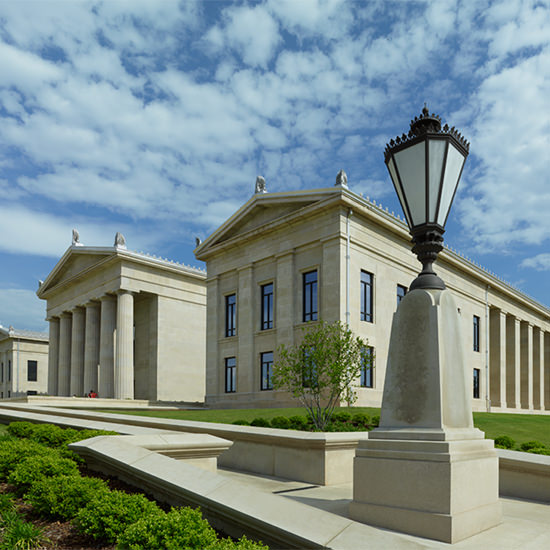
(524, 475)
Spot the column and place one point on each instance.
(91, 346)
(124, 359)
(77, 352)
(537, 351)
(53, 355)
(512, 362)
(547, 370)
(285, 292)
(248, 369)
(64, 362)
(526, 365)
(497, 357)
(107, 337)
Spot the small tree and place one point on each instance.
(322, 369)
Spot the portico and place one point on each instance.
(126, 325)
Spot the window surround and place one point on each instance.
(230, 374)
(310, 296)
(267, 305)
(477, 383)
(266, 370)
(476, 333)
(367, 296)
(367, 375)
(230, 328)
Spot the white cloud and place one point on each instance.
(22, 309)
(540, 262)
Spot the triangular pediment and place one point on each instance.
(263, 210)
(74, 261)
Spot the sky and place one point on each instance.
(154, 117)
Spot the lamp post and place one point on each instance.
(425, 167)
(426, 470)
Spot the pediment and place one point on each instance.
(71, 264)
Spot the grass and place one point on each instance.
(520, 427)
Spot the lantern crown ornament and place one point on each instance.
(425, 166)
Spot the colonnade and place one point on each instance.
(92, 348)
(519, 363)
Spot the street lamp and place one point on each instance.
(425, 167)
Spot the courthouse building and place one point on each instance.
(286, 259)
(23, 362)
(125, 324)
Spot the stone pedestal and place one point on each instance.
(427, 471)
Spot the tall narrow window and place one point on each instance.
(367, 368)
(310, 296)
(230, 374)
(267, 370)
(32, 371)
(476, 333)
(476, 383)
(2, 373)
(230, 315)
(9, 370)
(401, 291)
(267, 306)
(366, 296)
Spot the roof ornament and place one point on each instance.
(40, 283)
(197, 241)
(76, 238)
(11, 330)
(120, 241)
(342, 179)
(260, 185)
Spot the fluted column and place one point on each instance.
(526, 365)
(512, 362)
(53, 355)
(64, 363)
(107, 337)
(497, 357)
(124, 359)
(77, 352)
(91, 346)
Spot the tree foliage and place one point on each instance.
(322, 369)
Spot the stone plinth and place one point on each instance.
(427, 471)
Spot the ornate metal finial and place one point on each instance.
(120, 241)
(76, 238)
(341, 179)
(260, 185)
(425, 123)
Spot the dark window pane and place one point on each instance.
(366, 297)
(310, 296)
(32, 371)
(267, 306)
(367, 368)
(476, 383)
(267, 370)
(230, 374)
(230, 315)
(476, 333)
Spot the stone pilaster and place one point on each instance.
(215, 319)
(124, 359)
(64, 362)
(329, 282)
(285, 293)
(497, 357)
(91, 346)
(53, 355)
(77, 352)
(526, 365)
(248, 375)
(107, 337)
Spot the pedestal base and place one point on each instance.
(443, 490)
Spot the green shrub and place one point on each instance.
(21, 429)
(34, 468)
(180, 528)
(341, 417)
(504, 442)
(242, 544)
(20, 535)
(281, 422)
(298, 423)
(540, 451)
(375, 421)
(261, 423)
(62, 497)
(241, 422)
(107, 516)
(361, 420)
(17, 450)
(6, 502)
(528, 445)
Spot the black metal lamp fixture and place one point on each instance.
(425, 167)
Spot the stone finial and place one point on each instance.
(260, 185)
(342, 179)
(76, 238)
(11, 330)
(40, 283)
(120, 241)
(197, 241)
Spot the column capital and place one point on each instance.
(122, 291)
(77, 309)
(65, 315)
(107, 298)
(52, 318)
(92, 303)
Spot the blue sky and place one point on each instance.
(154, 118)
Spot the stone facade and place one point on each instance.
(126, 325)
(23, 362)
(358, 259)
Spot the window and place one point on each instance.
(230, 374)
(367, 368)
(476, 333)
(267, 370)
(2, 373)
(32, 371)
(401, 291)
(267, 306)
(230, 315)
(310, 296)
(366, 296)
(32, 392)
(9, 370)
(476, 383)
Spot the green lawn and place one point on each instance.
(520, 427)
